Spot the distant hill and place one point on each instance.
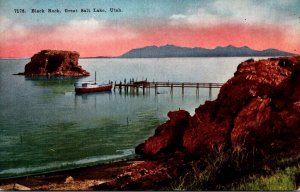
(175, 51)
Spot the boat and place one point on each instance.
(92, 86)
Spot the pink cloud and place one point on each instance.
(255, 36)
(94, 38)
(89, 37)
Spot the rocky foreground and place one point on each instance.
(254, 122)
(54, 63)
(257, 111)
(255, 118)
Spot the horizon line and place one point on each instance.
(119, 56)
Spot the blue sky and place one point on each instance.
(139, 9)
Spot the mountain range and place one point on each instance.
(176, 51)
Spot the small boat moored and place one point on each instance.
(92, 86)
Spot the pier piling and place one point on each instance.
(197, 89)
(210, 95)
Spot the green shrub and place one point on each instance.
(279, 180)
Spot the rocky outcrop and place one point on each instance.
(168, 136)
(257, 110)
(154, 175)
(54, 63)
(255, 117)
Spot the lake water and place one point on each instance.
(45, 126)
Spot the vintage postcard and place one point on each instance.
(149, 95)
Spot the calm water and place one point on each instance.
(45, 126)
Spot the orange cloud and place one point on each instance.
(255, 36)
(98, 38)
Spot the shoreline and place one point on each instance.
(49, 171)
(82, 178)
(108, 175)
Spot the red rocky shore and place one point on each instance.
(54, 63)
(254, 120)
(258, 109)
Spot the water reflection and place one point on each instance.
(55, 84)
(51, 78)
(87, 98)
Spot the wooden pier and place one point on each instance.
(134, 86)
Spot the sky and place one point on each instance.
(188, 23)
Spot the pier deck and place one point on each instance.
(134, 86)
